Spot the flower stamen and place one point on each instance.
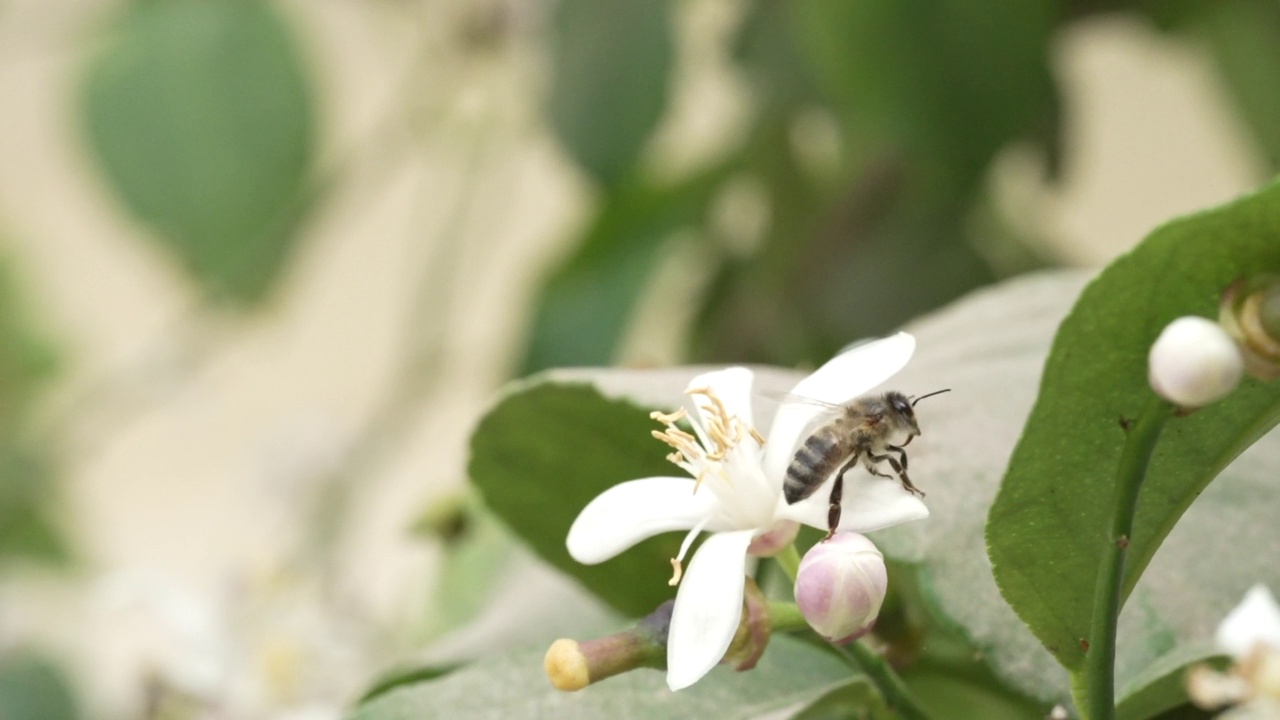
(676, 566)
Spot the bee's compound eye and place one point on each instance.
(902, 407)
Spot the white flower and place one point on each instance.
(737, 495)
(1250, 634)
(1194, 362)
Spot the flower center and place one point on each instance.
(704, 453)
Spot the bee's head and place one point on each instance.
(901, 412)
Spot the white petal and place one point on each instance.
(1255, 620)
(632, 511)
(732, 386)
(868, 503)
(844, 377)
(708, 608)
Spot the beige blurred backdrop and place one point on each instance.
(200, 447)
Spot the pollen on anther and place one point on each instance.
(668, 418)
(755, 435)
(677, 571)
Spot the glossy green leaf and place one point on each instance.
(611, 62)
(201, 117)
(790, 675)
(951, 80)
(1048, 525)
(31, 687)
(544, 451)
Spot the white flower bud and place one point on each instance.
(841, 585)
(1194, 362)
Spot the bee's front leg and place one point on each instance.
(902, 454)
(899, 468)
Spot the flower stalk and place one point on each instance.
(895, 691)
(1100, 659)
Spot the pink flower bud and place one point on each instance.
(840, 586)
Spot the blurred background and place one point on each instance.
(263, 265)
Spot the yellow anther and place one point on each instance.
(677, 571)
(668, 418)
(756, 436)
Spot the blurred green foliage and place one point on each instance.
(31, 687)
(890, 219)
(200, 114)
(27, 493)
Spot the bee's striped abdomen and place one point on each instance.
(815, 459)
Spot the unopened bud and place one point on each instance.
(1250, 313)
(1194, 362)
(841, 585)
(572, 665)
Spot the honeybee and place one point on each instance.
(860, 430)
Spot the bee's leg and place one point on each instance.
(902, 454)
(898, 468)
(837, 492)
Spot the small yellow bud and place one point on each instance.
(566, 666)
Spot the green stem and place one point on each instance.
(891, 686)
(789, 561)
(1100, 658)
(786, 617)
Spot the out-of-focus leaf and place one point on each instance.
(586, 303)
(948, 696)
(952, 81)
(201, 116)
(544, 451)
(1162, 686)
(1244, 36)
(790, 675)
(25, 360)
(476, 553)
(31, 687)
(611, 62)
(27, 530)
(859, 700)
(1048, 526)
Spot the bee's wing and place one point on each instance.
(826, 411)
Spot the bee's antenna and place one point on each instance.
(935, 392)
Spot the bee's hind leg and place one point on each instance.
(837, 492)
(899, 468)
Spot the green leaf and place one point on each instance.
(27, 493)
(858, 700)
(790, 675)
(31, 687)
(1162, 686)
(544, 451)
(1244, 37)
(1048, 525)
(586, 304)
(201, 117)
(611, 62)
(951, 80)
